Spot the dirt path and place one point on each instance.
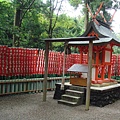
(31, 107)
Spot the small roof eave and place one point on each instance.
(78, 68)
(97, 42)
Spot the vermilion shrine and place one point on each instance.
(104, 90)
(102, 48)
(102, 51)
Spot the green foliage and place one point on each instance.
(116, 50)
(75, 3)
(94, 5)
(67, 27)
(33, 30)
(6, 23)
(35, 24)
(42, 20)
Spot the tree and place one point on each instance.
(45, 18)
(94, 5)
(34, 24)
(6, 23)
(67, 27)
(33, 30)
(83, 3)
(51, 12)
(21, 8)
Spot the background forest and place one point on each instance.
(25, 23)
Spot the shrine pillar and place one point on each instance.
(97, 65)
(108, 60)
(81, 54)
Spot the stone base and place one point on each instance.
(59, 92)
(104, 84)
(100, 96)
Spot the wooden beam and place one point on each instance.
(63, 74)
(81, 55)
(46, 71)
(89, 75)
(96, 67)
(88, 38)
(103, 63)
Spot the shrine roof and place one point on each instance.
(104, 32)
(78, 68)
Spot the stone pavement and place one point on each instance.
(31, 107)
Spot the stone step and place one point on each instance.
(67, 103)
(77, 88)
(74, 93)
(70, 98)
(73, 96)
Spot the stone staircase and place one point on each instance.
(73, 96)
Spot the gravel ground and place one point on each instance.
(31, 107)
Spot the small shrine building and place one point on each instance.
(102, 50)
(100, 55)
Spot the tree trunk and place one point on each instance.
(50, 31)
(86, 16)
(17, 19)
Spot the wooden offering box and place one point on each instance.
(76, 74)
(78, 81)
